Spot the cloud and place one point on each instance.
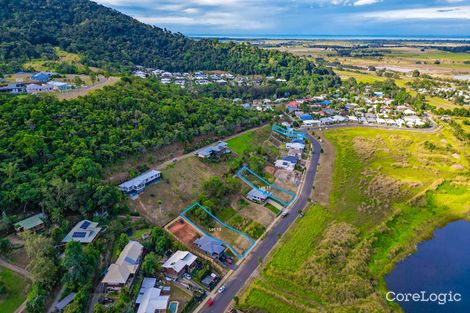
(454, 13)
(366, 2)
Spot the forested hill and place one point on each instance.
(52, 152)
(109, 39)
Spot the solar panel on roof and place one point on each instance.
(79, 234)
(85, 225)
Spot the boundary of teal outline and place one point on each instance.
(197, 204)
(292, 134)
(240, 175)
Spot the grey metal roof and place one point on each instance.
(65, 301)
(136, 181)
(209, 245)
(31, 221)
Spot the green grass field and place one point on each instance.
(249, 140)
(391, 189)
(16, 291)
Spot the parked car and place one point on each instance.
(187, 276)
(284, 214)
(221, 289)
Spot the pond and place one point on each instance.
(438, 272)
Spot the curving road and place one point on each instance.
(246, 269)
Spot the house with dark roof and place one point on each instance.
(210, 246)
(214, 151)
(42, 77)
(287, 163)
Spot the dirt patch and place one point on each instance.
(180, 186)
(323, 179)
(255, 212)
(184, 231)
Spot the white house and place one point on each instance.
(83, 232)
(311, 122)
(179, 263)
(287, 163)
(295, 145)
(137, 184)
(153, 301)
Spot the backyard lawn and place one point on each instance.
(251, 139)
(16, 291)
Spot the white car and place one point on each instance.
(221, 289)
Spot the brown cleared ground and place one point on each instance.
(255, 212)
(180, 186)
(323, 178)
(184, 231)
(86, 90)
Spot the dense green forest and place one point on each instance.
(52, 152)
(108, 39)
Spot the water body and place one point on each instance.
(440, 265)
(326, 37)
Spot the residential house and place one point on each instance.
(295, 145)
(32, 223)
(287, 163)
(258, 195)
(83, 232)
(62, 304)
(153, 301)
(295, 153)
(34, 88)
(13, 88)
(60, 86)
(180, 262)
(210, 246)
(217, 150)
(122, 272)
(137, 184)
(42, 77)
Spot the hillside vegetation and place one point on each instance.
(391, 189)
(52, 152)
(108, 39)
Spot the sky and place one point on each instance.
(402, 18)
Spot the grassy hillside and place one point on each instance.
(391, 189)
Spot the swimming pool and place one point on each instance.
(173, 306)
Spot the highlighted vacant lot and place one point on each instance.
(255, 181)
(290, 133)
(238, 242)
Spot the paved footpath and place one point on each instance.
(239, 278)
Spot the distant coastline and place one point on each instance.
(328, 37)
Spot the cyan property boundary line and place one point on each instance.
(288, 133)
(197, 204)
(245, 168)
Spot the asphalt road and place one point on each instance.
(241, 276)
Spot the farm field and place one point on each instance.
(16, 291)
(390, 190)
